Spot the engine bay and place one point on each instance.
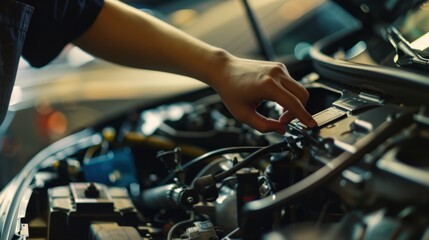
(185, 169)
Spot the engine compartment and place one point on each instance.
(185, 169)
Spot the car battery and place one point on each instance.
(73, 208)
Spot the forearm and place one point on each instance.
(131, 37)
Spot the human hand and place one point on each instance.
(244, 84)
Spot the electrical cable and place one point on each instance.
(225, 181)
(218, 152)
(249, 160)
(212, 164)
(179, 224)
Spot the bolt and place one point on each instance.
(190, 199)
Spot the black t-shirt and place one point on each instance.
(54, 24)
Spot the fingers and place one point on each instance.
(291, 95)
(292, 103)
(281, 73)
(250, 82)
(296, 89)
(261, 123)
(286, 117)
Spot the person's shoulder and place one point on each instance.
(58, 8)
(54, 24)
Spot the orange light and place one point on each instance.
(57, 124)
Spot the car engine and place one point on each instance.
(185, 169)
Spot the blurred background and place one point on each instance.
(76, 90)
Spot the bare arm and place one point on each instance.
(127, 36)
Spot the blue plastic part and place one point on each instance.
(115, 168)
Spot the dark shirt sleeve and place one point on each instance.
(54, 24)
